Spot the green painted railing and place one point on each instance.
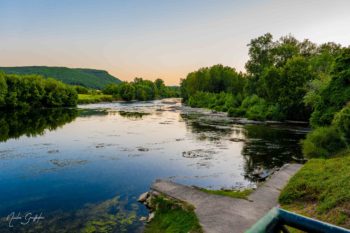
(277, 219)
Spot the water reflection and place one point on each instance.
(14, 124)
(264, 147)
(133, 115)
(269, 148)
(87, 175)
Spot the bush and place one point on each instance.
(342, 122)
(256, 108)
(257, 111)
(25, 91)
(323, 142)
(236, 112)
(81, 90)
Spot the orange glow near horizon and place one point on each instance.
(158, 39)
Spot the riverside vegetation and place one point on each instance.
(292, 80)
(23, 91)
(139, 89)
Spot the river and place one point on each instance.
(83, 169)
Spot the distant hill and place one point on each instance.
(91, 78)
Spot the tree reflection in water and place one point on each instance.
(264, 147)
(33, 122)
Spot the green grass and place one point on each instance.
(243, 194)
(173, 217)
(91, 78)
(94, 98)
(321, 189)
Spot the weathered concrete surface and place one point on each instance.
(220, 214)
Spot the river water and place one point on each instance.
(83, 169)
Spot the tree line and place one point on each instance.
(285, 79)
(141, 89)
(23, 91)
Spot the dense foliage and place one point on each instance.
(141, 89)
(21, 91)
(90, 78)
(331, 116)
(342, 122)
(336, 94)
(285, 79)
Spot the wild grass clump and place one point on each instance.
(173, 217)
(94, 98)
(321, 189)
(242, 194)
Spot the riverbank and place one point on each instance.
(218, 213)
(95, 98)
(321, 190)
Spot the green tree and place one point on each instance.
(336, 95)
(126, 91)
(3, 89)
(295, 76)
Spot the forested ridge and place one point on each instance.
(90, 78)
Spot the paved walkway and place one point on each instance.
(220, 214)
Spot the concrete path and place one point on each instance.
(220, 214)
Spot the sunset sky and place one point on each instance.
(157, 39)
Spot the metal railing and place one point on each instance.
(277, 220)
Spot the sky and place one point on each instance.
(158, 38)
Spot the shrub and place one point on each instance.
(323, 142)
(236, 112)
(81, 90)
(342, 122)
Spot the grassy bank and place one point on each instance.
(242, 194)
(94, 98)
(321, 190)
(173, 217)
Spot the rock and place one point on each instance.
(262, 174)
(155, 193)
(53, 151)
(148, 202)
(143, 219)
(143, 149)
(151, 216)
(198, 153)
(237, 140)
(143, 197)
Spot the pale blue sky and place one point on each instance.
(157, 39)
